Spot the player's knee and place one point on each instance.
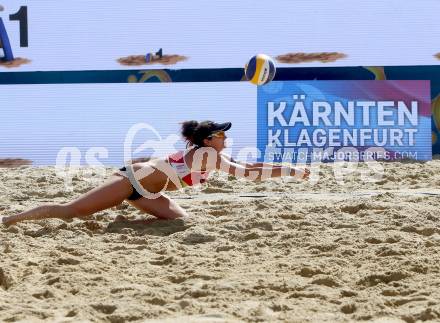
(177, 213)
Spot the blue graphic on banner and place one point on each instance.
(4, 43)
(303, 121)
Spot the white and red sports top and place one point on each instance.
(186, 177)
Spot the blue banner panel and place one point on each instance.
(344, 120)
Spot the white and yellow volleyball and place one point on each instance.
(260, 69)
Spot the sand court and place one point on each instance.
(278, 250)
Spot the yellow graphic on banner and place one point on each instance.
(379, 73)
(161, 75)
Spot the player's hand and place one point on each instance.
(300, 173)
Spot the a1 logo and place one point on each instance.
(22, 17)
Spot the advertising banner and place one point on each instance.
(69, 44)
(90, 123)
(344, 120)
(53, 35)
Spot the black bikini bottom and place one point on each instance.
(135, 195)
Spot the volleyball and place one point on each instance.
(260, 69)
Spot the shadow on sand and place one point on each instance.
(156, 227)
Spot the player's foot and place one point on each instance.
(3, 221)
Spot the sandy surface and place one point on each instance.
(16, 62)
(136, 60)
(14, 162)
(323, 57)
(271, 251)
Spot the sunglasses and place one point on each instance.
(218, 134)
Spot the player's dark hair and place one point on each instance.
(195, 132)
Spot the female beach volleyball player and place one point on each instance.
(142, 184)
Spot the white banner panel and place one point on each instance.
(92, 35)
(39, 121)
